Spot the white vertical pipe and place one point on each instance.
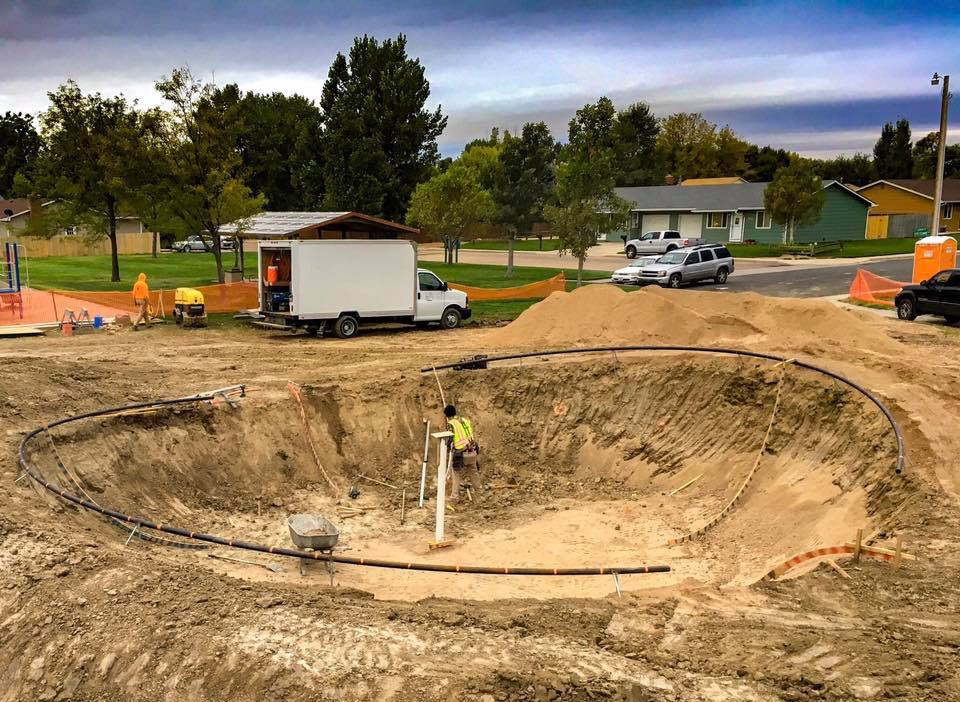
(441, 490)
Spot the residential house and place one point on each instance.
(903, 206)
(15, 216)
(735, 213)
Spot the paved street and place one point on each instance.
(818, 281)
(767, 276)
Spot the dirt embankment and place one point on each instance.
(588, 449)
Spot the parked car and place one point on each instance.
(658, 242)
(196, 243)
(938, 295)
(688, 265)
(631, 274)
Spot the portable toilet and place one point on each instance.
(933, 254)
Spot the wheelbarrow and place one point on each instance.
(312, 533)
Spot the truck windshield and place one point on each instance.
(673, 258)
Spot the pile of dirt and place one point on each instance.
(603, 314)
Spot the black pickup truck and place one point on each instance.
(939, 295)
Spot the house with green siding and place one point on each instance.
(735, 213)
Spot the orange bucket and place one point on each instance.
(67, 329)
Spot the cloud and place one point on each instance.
(770, 70)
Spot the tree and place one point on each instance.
(893, 152)
(146, 172)
(794, 197)
(19, 146)
(731, 153)
(205, 187)
(587, 205)
(279, 144)
(83, 164)
(635, 146)
(925, 158)
(688, 146)
(526, 182)
(379, 141)
(450, 202)
(763, 162)
(857, 169)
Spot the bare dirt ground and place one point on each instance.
(580, 457)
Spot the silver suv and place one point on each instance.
(689, 265)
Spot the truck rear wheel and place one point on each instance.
(347, 327)
(631, 252)
(451, 318)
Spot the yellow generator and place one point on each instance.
(188, 308)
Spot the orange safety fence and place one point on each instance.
(544, 288)
(45, 306)
(873, 288)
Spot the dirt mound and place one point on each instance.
(603, 314)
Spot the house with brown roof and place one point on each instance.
(903, 206)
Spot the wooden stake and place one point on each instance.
(378, 482)
(833, 564)
(858, 546)
(898, 559)
(686, 484)
(403, 504)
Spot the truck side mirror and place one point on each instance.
(924, 283)
(445, 287)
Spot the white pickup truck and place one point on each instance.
(659, 242)
(341, 284)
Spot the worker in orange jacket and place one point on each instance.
(141, 298)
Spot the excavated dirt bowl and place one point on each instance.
(579, 457)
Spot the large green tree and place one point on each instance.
(762, 163)
(279, 144)
(86, 137)
(850, 170)
(449, 203)
(379, 139)
(526, 182)
(687, 146)
(587, 206)
(635, 146)
(794, 197)
(893, 152)
(205, 185)
(19, 146)
(925, 158)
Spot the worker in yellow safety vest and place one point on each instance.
(466, 463)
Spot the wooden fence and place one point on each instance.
(61, 245)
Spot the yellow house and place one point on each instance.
(905, 205)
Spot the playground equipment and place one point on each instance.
(10, 295)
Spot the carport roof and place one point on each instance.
(705, 198)
(279, 224)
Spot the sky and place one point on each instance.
(815, 77)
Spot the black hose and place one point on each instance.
(901, 448)
(278, 551)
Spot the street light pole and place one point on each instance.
(941, 149)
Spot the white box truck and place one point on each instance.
(338, 285)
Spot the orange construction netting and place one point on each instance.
(870, 287)
(544, 288)
(45, 306)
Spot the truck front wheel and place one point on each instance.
(451, 318)
(347, 327)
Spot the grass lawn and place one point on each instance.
(168, 270)
(490, 276)
(171, 270)
(851, 249)
(519, 245)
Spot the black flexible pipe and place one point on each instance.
(292, 553)
(901, 449)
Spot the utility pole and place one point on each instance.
(941, 149)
